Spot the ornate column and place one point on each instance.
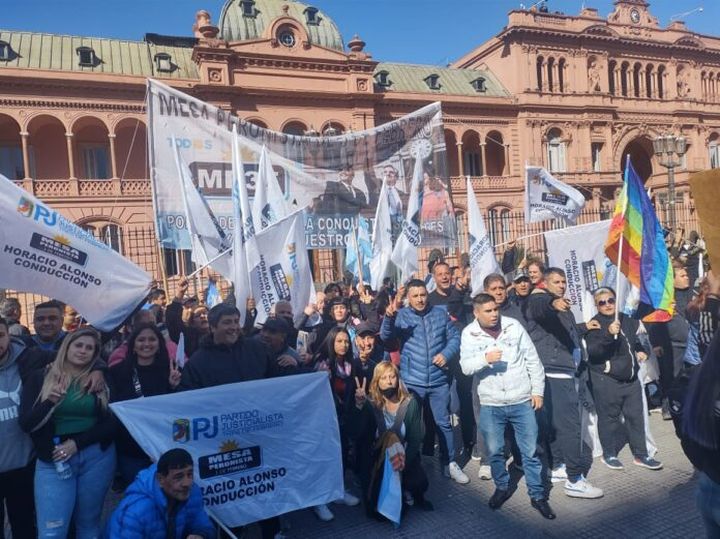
(641, 82)
(596, 199)
(113, 159)
(507, 160)
(461, 161)
(484, 159)
(618, 82)
(25, 153)
(653, 84)
(71, 158)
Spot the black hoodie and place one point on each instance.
(217, 364)
(610, 356)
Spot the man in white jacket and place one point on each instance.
(511, 381)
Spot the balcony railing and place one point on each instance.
(85, 188)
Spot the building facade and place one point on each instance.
(574, 93)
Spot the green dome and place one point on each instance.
(236, 24)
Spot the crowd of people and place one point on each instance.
(404, 366)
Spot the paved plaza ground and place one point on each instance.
(638, 503)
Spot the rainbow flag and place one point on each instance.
(645, 259)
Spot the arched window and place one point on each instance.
(294, 128)
(649, 74)
(539, 73)
(108, 233)
(499, 224)
(332, 129)
(624, 79)
(661, 82)
(550, 74)
(612, 66)
(636, 78)
(556, 151)
(561, 75)
(714, 150)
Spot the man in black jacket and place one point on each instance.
(225, 356)
(552, 328)
(613, 354)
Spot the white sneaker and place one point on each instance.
(323, 513)
(582, 489)
(454, 472)
(348, 499)
(485, 472)
(559, 474)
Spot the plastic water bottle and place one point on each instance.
(62, 467)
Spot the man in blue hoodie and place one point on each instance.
(163, 503)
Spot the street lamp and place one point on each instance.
(669, 150)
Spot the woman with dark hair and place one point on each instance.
(700, 435)
(703, 315)
(336, 357)
(146, 371)
(72, 431)
(382, 409)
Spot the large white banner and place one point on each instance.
(480, 248)
(260, 448)
(546, 197)
(44, 253)
(333, 178)
(279, 268)
(580, 251)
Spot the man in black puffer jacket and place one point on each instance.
(552, 329)
(613, 353)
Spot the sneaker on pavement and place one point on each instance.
(665, 409)
(485, 472)
(613, 463)
(323, 513)
(582, 489)
(476, 453)
(648, 462)
(544, 508)
(348, 499)
(559, 474)
(454, 472)
(498, 498)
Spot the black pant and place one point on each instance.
(464, 386)
(559, 422)
(16, 491)
(612, 400)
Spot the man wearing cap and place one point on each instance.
(521, 289)
(273, 335)
(366, 352)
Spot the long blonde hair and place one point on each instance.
(381, 369)
(57, 367)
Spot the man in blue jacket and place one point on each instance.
(429, 343)
(162, 503)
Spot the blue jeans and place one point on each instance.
(708, 501)
(82, 496)
(439, 399)
(493, 420)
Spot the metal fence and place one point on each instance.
(166, 265)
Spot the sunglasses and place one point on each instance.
(603, 302)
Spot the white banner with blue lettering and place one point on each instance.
(45, 253)
(260, 448)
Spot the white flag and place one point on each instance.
(280, 269)
(405, 253)
(546, 197)
(381, 241)
(244, 232)
(180, 351)
(207, 240)
(480, 250)
(260, 448)
(44, 253)
(269, 204)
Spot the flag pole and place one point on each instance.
(620, 246)
(356, 245)
(198, 270)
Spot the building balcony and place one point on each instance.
(87, 189)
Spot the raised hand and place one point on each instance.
(250, 304)
(175, 374)
(360, 395)
(182, 288)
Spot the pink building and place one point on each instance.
(575, 93)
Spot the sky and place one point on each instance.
(432, 32)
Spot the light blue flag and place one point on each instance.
(360, 241)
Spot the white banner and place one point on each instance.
(580, 251)
(546, 197)
(480, 249)
(260, 448)
(333, 178)
(381, 241)
(44, 253)
(280, 268)
(406, 250)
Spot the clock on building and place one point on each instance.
(635, 16)
(287, 38)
